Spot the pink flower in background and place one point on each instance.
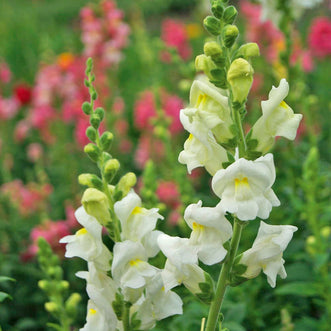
(21, 130)
(174, 34)
(5, 73)
(174, 217)
(144, 110)
(28, 199)
(34, 152)
(172, 106)
(168, 193)
(319, 38)
(148, 148)
(8, 107)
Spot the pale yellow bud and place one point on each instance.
(51, 307)
(326, 231)
(240, 77)
(95, 204)
(205, 63)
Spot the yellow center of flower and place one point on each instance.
(190, 137)
(201, 100)
(92, 311)
(197, 226)
(283, 104)
(134, 262)
(81, 232)
(239, 182)
(137, 210)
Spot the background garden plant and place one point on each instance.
(38, 184)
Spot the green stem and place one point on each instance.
(222, 283)
(126, 318)
(241, 138)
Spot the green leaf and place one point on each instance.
(5, 278)
(4, 296)
(304, 289)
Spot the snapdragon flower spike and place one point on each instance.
(245, 188)
(87, 243)
(130, 267)
(157, 304)
(278, 119)
(267, 252)
(138, 223)
(97, 319)
(210, 230)
(209, 107)
(182, 264)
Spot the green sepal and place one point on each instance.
(253, 155)
(218, 74)
(207, 288)
(92, 151)
(217, 8)
(229, 15)
(220, 84)
(230, 144)
(252, 144)
(106, 140)
(118, 305)
(135, 322)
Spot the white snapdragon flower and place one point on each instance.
(130, 267)
(208, 104)
(97, 319)
(271, 12)
(198, 154)
(245, 188)
(100, 288)
(138, 222)
(182, 264)
(210, 230)
(157, 304)
(267, 252)
(278, 119)
(87, 243)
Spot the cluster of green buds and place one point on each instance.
(56, 289)
(100, 196)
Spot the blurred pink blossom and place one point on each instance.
(319, 38)
(8, 107)
(5, 73)
(34, 152)
(168, 193)
(144, 110)
(174, 34)
(172, 106)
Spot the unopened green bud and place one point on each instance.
(217, 8)
(248, 50)
(51, 307)
(311, 245)
(230, 34)
(94, 95)
(326, 231)
(92, 151)
(106, 140)
(100, 112)
(72, 303)
(110, 169)
(229, 15)
(43, 285)
(91, 133)
(126, 183)
(64, 285)
(90, 180)
(95, 121)
(214, 50)
(86, 107)
(95, 204)
(212, 25)
(240, 78)
(160, 132)
(205, 63)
